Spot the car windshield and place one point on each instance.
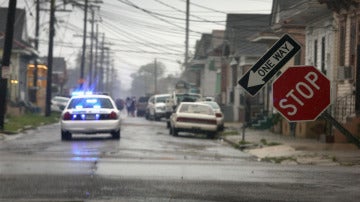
(214, 105)
(187, 97)
(143, 99)
(161, 99)
(196, 109)
(90, 102)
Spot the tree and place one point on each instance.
(144, 79)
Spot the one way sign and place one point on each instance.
(264, 69)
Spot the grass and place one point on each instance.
(265, 143)
(278, 160)
(14, 124)
(229, 132)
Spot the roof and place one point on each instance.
(203, 46)
(20, 35)
(297, 12)
(239, 27)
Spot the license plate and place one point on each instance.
(90, 117)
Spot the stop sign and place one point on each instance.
(301, 93)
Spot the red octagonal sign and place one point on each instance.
(301, 93)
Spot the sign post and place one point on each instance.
(268, 65)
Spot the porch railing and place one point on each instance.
(344, 108)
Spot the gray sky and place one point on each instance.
(138, 31)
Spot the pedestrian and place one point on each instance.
(128, 105)
(119, 104)
(133, 106)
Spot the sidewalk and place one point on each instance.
(276, 148)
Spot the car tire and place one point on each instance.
(65, 135)
(221, 128)
(174, 131)
(157, 118)
(116, 135)
(211, 135)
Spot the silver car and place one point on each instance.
(90, 114)
(58, 103)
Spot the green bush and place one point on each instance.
(28, 120)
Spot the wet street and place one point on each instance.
(148, 164)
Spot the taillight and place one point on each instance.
(67, 116)
(180, 119)
(113, 115)
(218, 115)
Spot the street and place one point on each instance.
(148, 164)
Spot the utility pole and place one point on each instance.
(91, 48)
(187, 34)
(35, 73)
(100, 86)
(50, 58)
(82, 65)
(5, 64)
(96, 57)
(107, 69)
(155, 76)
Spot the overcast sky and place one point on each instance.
(138, 31)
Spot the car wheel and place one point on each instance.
(65, 135)
(116, 135)
(156, 118)
(175, 132)
(221, 128)
(170, 131)
(211, 135)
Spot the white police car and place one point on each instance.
(88, 113)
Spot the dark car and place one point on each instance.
(141, 105)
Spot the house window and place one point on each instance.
(323, 68)
(352, 41)
(234, 75)
(342, 44)
(315, 52)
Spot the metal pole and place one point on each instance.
(50, 59)
(343, 130)
(5, 64)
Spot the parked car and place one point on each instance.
(156, 108)
(141, 105)
(58, 103)
(90, 114)
(175, 99)
(120, 103)
(218, 113)
(194, 117)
